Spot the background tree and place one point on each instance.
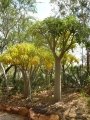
(80, 9)
(14, 24)
(68, 61)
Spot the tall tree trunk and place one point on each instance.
(57, 90)
(5, 76)
(88, 64)
(82, 56)
(51, 76)
(14, 74)
(27, 85)
(5, 85)
(63, 74)
(46, 77)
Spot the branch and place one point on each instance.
(52, 46)
(67, 48)
(6, 70)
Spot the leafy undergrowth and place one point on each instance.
(73, 106)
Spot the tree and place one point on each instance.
(60, 35)
(28, 58)
(67, 62)
(14, 22)
(25, 57)
(80, 9)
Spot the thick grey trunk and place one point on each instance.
(27, 84)
(57, 90)
(63, 74)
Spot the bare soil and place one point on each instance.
(7, 116)
(73, 106)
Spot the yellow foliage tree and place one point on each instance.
(27, 57)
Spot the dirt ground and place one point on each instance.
(7, 116)
(73, 106)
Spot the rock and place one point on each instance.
(8, 109)
(15, 110)
(38, 116)
(2, 107)
(23, 111)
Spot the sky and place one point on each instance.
(43, 9)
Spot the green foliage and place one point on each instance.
(47, 58)
(75, 76)
(28, 5)
(83, 93)
(59, 34)
(19, 86)
(69, 59)
(13, 22)
(5, 3)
